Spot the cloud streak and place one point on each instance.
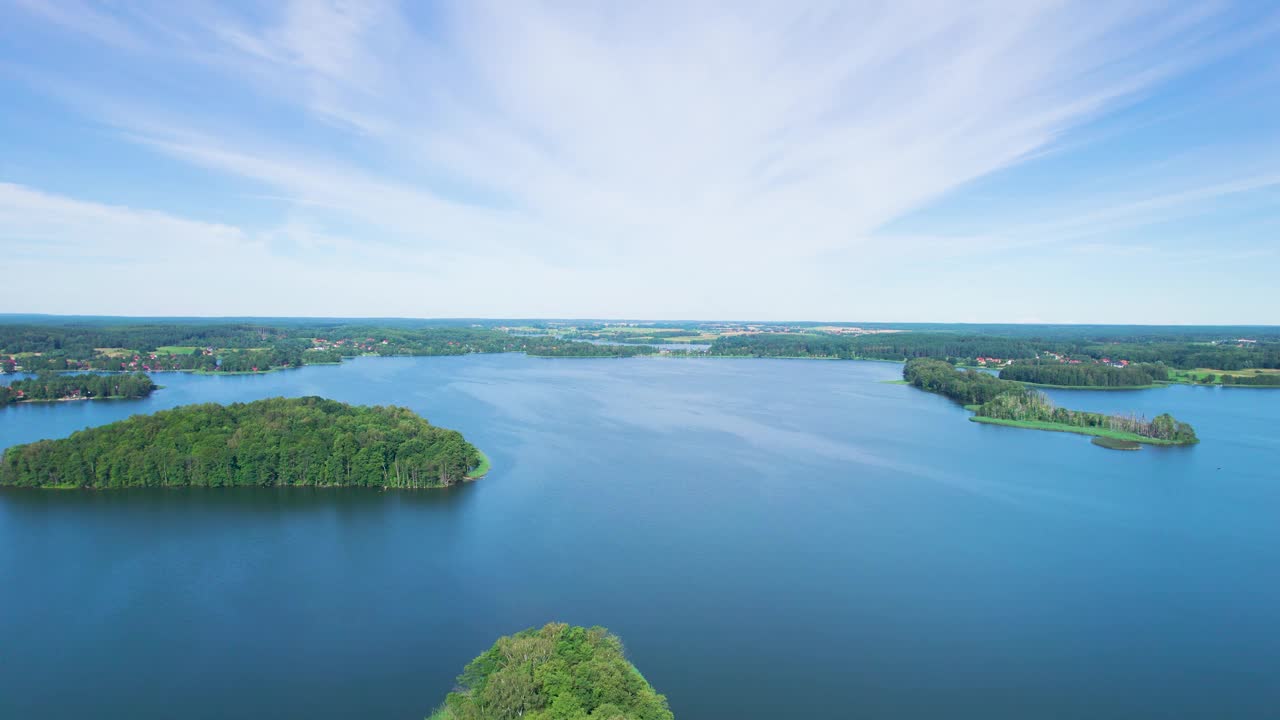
(717, 144)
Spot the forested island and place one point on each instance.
(302, 442)
(1005, 402)
(557, 672)
(51, 386)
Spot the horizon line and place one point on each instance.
(855, 323)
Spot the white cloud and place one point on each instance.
(34, 223)
(716, 146)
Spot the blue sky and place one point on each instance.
(901, 161)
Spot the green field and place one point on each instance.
(1058, 427)
(1198, 375)
(175, 349)
(702, 338)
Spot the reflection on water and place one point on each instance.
(838, 546)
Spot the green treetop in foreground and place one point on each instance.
(557, 672)
(304, 442)
(1005, 402)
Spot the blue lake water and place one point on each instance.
(771, 539)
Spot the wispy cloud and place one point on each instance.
(628, 141)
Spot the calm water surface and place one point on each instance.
(771, 538)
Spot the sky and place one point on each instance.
(1013, 161)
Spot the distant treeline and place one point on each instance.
(1008, 400)
(221, 346)
(1271, 379)
(278, 442)
(244, 347)
(1185, 356)
(967, 348)
(1085, 375)
(880, 346)
(72, 387)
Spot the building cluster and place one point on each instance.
(1063, 359)
(347, 344)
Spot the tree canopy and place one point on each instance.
(1007, 400)
(1062, 344)
(557, 672)
(307, 441)
(51, 386)
(1085, 375)
(252, 347)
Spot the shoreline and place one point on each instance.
(1152, 386)
(479, 472)
(25, 401)
(1092, 431)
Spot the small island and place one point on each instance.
(301, 442)
(557, 672)
(50, 387)
(1006, 402)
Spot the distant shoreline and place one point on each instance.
(72, 399)
(1152, 386)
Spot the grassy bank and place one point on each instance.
(1058, 427)
(482, 469)
(1114, 444)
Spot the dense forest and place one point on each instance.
(967, 387)
(52, 386)
(248, 347)
(1085, 375)
(1228, 355)
(880, 346)
(556, 672)
(302, 442)
(1182, 355)
(1007, 400)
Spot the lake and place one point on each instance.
(770, 538)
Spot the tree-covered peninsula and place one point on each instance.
(309, 442)
(1005, 402)
(1082, 375)
(52, 386)
(557, 672)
